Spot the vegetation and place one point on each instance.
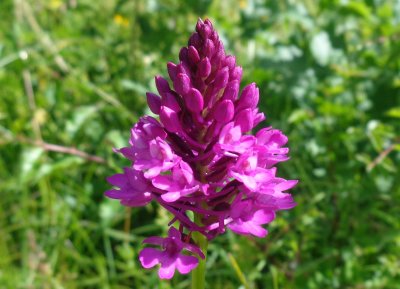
(73, 77)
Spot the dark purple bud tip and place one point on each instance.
(204, 30)
(236, 73)
(154, 102)
(195, 40)
(244, 119)
(209, 48)
(221, 79)
(199, 24)
(194, 100)
(183, 54)
(204, 68)
(183, 68)
(193, 55)
(162, 85)
(224, 111)
(170, 101)
(231, 90)
(169, 119)
(229, 61)
(208, 22)
(172, 70)
(248, 98)
(182, 84)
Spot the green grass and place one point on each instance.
(74, 74)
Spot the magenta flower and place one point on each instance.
(134, 188)
(180, 183)
(170, 258)
(247, 219)
(199, 156)
(247, 171)
(149, 151)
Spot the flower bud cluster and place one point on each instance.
(199, 156)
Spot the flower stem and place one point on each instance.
(199, 274)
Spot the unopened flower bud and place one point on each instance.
(162, 85)
(170, 119)
(244, 119)
(194, 100)
(204, 68)
(221, 79)
(224, 111)
(231, 90)
(172, 70)
(154, 102)
(248, 98)
(193, 55)
(182, 84)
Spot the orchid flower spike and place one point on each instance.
(199, 156)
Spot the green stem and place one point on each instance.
(199, 274)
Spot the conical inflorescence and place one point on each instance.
(200, 157)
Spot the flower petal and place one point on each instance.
(255, 229)
(162, 182)
(185, 263)
(171, 196)
(167, 269)
(263, 217)
(118, 180)
(154, 240)
(149, 257)
(137, 201)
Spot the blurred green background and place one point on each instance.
(73, 77)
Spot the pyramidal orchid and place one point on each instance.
(198, 158)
